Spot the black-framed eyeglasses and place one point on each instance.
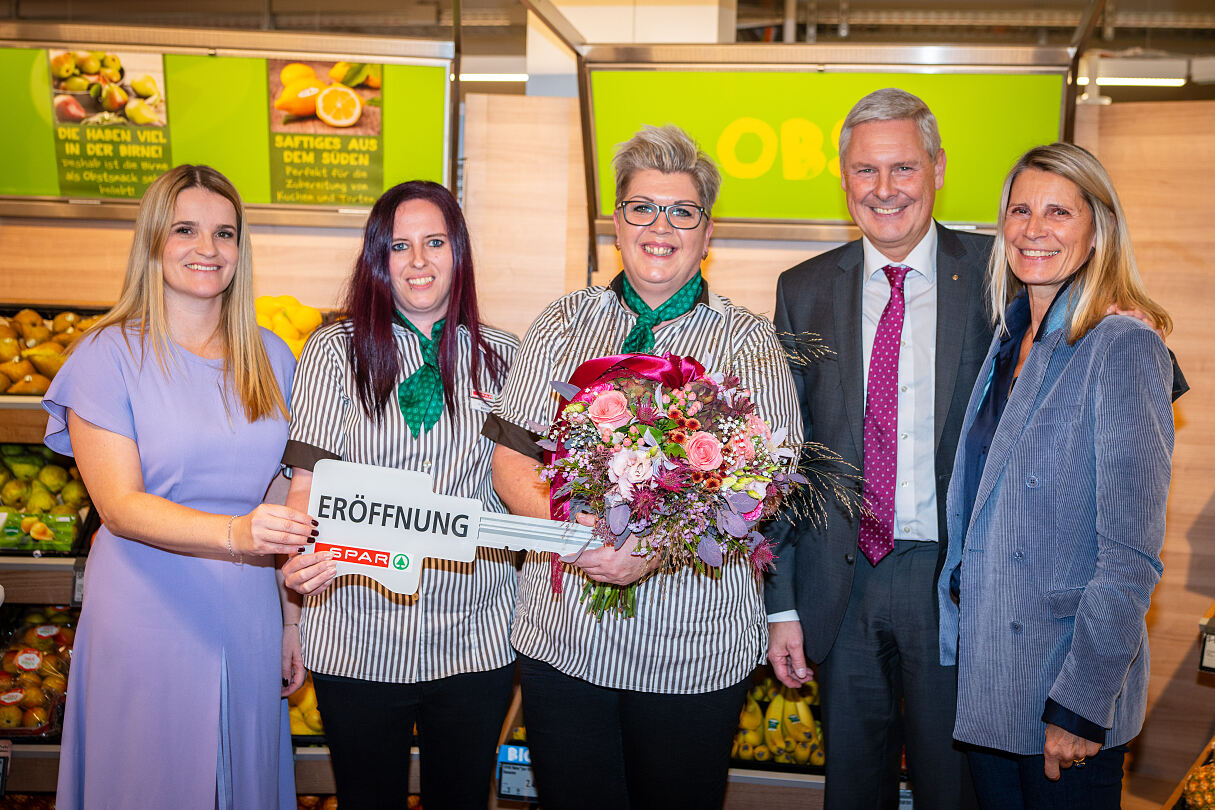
(684, 216)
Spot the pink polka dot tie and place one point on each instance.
(882, 424)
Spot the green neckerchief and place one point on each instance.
(421, 394)
(640, 339)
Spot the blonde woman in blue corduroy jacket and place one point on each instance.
(1057, 503)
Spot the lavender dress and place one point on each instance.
(173, 699)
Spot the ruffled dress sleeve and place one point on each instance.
(93, 384)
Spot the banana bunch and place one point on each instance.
(785, 732)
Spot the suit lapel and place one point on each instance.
(846, 297)
(1021, 406)
(955, 280)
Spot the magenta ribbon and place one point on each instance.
(671, 370)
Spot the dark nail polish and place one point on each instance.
(315, 532)
(300, 550)
(314, 523)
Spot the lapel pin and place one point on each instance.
(955, 276)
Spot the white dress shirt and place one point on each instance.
(915, 488)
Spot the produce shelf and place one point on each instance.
(38, 580)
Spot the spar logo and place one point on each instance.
(365, 556)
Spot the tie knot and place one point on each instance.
(896, 273)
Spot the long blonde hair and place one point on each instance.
(141, 305)
(1110, 276)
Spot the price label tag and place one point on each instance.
(515, 773)
(6, 757)
(78, 581)
(1207, 661)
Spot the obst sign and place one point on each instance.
(381, 522)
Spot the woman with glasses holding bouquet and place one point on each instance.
(607, 700)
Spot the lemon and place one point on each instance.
(266, 304)
(294, 72)
(304, 318)
(339, 106)
(338, 71)
(299, 98)
(283, 327)
(285, 301)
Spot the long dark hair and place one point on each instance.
(370, 307)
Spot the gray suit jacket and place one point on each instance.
(823, 295)
(1062, 549)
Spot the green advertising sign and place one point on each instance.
(87, 123)
(775, 134)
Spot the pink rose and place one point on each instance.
(758, 427)
(610, 410)
(629, 468)
(703, 451)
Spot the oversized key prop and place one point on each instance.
(382, 523)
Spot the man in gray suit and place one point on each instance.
(903, 310)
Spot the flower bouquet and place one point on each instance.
(656, 448)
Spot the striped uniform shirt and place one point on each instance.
(691, 634)
(459, 620)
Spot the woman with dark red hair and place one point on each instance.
(405, 380)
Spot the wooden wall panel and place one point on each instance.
(1162, 159)
(68, 262)
(524, 200)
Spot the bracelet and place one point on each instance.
(293, 624)
(231, 553)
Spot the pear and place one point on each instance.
(24, 466)
(85, 323)
(5, 476)
(53, 477)
(46, 347)
(8, 330)
(88, 62)
(17, 369)
(40, 500)
(14, 494)
(140, 112)
(64, 321)
(26, 317)
(74, 494)
(31, 336)
(13, 450)
(67, 337)
(10, 347)
(35, 384)
(64, 510)
(145, 86)
(63, 65)
(113, 98)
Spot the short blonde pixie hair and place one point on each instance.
(670, 150)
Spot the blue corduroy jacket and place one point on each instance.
(1062, 549)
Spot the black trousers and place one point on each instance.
(883, 686)
(369, 728)
(594, 747)
(1011, 782)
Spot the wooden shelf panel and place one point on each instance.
(23, 419)
(37, 580)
